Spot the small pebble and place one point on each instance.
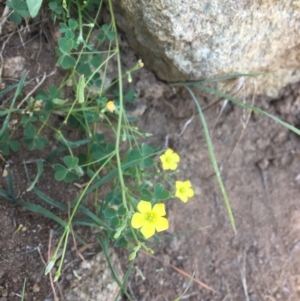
(36, 288)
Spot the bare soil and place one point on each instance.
(261, 262)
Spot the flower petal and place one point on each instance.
(175, 157)
(162, 224)
(172, 165)
(187, 184)
(178, 185)
(148, 230)
(190, 192)
(137, 220)
(159, 209)
(169, 152)
(144, 206)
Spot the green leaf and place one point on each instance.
(110, 213)
(147, 150)
(96, 60)
(160, 193)
(34, 7)
(40, 142)
(67, 62)
(72, 24)
(29, 142)
(14, 17)
(54, 92)
(114, 222)
(60, 173)
(111, 35)
(29, 131)
(14, 145)
(85, 70)
(71, 162)
(146, 195)
(121, 242)
(65, 45)
(130, 96)
(114, 198)
(71, 176)
(122, 210)
(20, 7)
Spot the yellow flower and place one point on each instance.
(169, 160)
(110, 106)
(149, 219)
(184, 190)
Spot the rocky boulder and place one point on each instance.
(183, 40)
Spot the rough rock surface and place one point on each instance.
(191, 39)
(95, 281)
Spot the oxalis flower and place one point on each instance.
(169, 160)
(149, 219)
(110, 106)
(184, 190)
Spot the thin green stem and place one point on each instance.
(123, 187)
(213, 158)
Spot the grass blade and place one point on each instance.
(213, 159)
(40, 166)
(10, 184)
(247, 106)
(104, 243)
(92, 216)
(40, 210)
(219, 78)
(18, 91)
(6, 195)
(48, 200)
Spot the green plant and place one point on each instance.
(115, 157)
(135, 205)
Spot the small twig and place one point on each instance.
(183, 273)
(1, 57)
(36, 87)
(183, 129)
(243, 276)
(4, 17)
(50, 274)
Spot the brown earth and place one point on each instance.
(261, 176)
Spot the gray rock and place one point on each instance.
(190, 39)
(94, 281)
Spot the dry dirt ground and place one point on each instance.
(262, 177)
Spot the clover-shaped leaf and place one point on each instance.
(130, 96)
(65, 45)
(110, 213)
(40, 142)
(146, 195)
(20, 10)
(6, 144)
(65, 60)
(29, 131)
(60, 172)
(71, 162)
(160, 193)
(70, 173)
(106, 32)
(146, 152)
